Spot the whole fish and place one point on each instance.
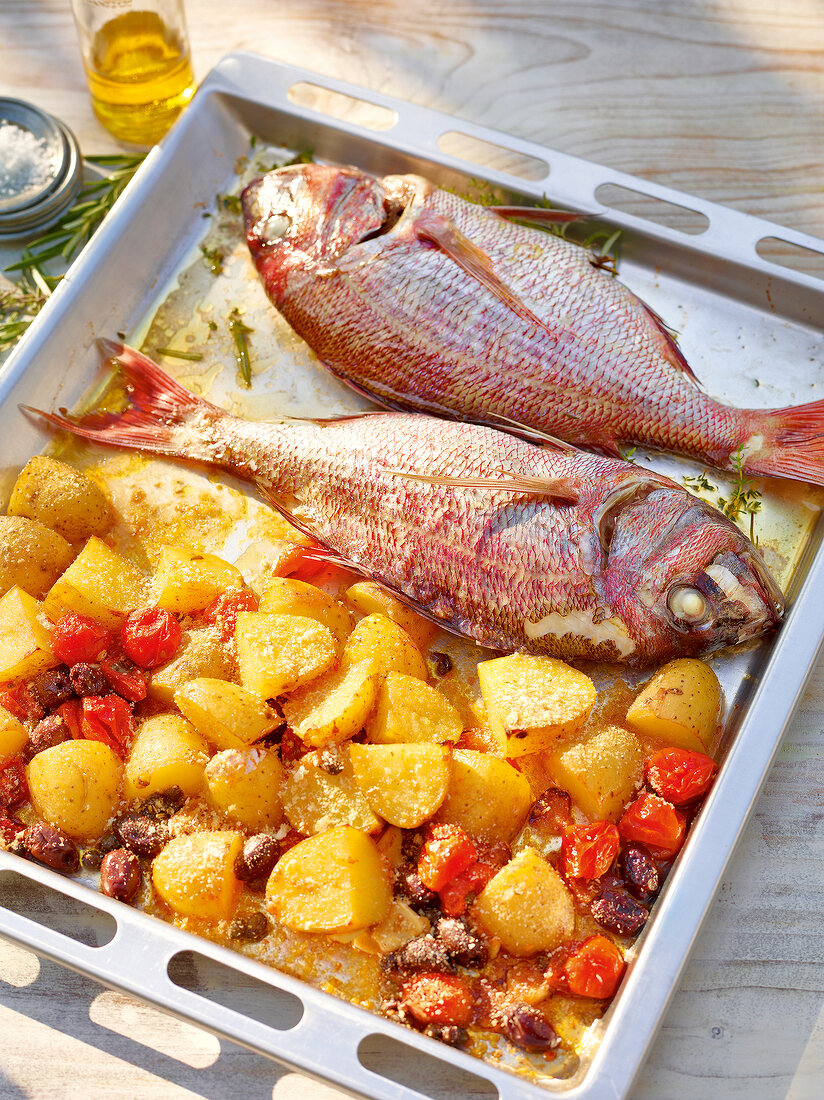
(425, 301)
(520, 547)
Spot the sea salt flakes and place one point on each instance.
(25, 162)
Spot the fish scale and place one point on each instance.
(451, 309)
(519, 547)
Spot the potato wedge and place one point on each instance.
(334, 882)
(226, 714)
(526, 905)
(679, 706)
(287, 596)
(245, 785)
(31, 555)
(404, 784)
(370, 598)
(187, 581)
(75, 786)
(167, 752)
(315, 800)
(195, 876)
(410, 710)
(487, 796)
(25, 640)
(378, 639)
(278, 653)
(60, 497)
(534, 701)
(601, 772)
(13, 735)
(203, 654)
(100, 584)
(333, 707)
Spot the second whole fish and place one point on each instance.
(519, 547)
(425, 301)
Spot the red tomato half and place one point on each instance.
(679, 775)
(446, 853)
(456, 894)
(107, 718)
(443, 999)
(20, 702)
(77, 638)
(150, 637)
(595, 969)
(588, 851)
(222, 612)
(126, 681)
(651, 821)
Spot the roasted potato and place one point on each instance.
(226, 714)
(13, 735)
(278, 653)
(333, 707)
(187, 581)
(25, 641)
(679, 706)
(75, 786)
(245, 784)
(526, 905)
(287, 596)
(203, 654)
(60, 497)
(315, 799)
(167, 752)
(410, 710)
(31, 555)
(487, 796)
(195, 874)
(99, 584)
(601, 772)
(404, 784)
(370, 598)
(388, 646)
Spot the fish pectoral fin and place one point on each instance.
(440, 231)
(557, 488)
(544, 215)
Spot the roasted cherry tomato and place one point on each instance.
(77, 638)
(446, 853)
(71, 712)
(222, 612)
(458, 892)
(588, 851)
(107, 718)
(14, 790)
(20, 702)
(595, 968)
(651, 821)
(124, 678)
(9, 828)
(442, 999)
(679, 775)
(150, 637)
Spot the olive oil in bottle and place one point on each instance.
(138, 68)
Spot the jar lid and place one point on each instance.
(40, 168)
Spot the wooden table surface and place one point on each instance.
(721, 98)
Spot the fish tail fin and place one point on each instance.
(794, 443)
(160, 406)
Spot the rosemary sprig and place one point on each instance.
(19, 305)
(239, 331)
(178, 353)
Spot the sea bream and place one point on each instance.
(425, 301)
(519, 547)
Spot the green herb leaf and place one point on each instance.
(239, 332)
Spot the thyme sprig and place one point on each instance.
(239, 331)
(744, 498)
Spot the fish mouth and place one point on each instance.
(747, 600)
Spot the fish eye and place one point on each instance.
(689, 605)
(273, 227)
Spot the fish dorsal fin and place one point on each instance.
(541, 214)
(438, 230)
(532, 435)
(556, 488)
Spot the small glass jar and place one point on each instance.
(138, 64)
(40, 168)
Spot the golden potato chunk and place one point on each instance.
(334, 707)
(100, 584)
(334, 882)
(167, 752)
(390, 648)
(404, 784)
(601, 772)
(195, 876)
(526, 905)
(410, 710)
(60, 497)
(278, 653)
(245, 785)
(315, 799)
(75, 786)
(13, 734)
(679, 706)
(25, 640)
(202, 654)
(487, 796)
(534, 701)
(227, 715)
(187, 581)
(31, 555)
(371, 599)
(287, 596)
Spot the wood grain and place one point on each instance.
(720, 98)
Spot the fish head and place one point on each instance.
(304, 218)
(683, 578)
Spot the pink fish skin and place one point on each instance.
(427, 302)
(519, 547)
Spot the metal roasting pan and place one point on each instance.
(741, 317)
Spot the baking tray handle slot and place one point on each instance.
(796, 257)
(372, 116)
(426, 1075)
(486, 155)
(652, 208)
(66, 918)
